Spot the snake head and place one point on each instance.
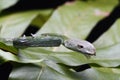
(81, 46)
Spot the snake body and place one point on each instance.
(54, 40)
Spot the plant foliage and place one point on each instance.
(73, 19)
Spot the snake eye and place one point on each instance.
(80, 46)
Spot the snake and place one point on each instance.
(53, 40)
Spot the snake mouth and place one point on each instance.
(92, 54)
(88, 55)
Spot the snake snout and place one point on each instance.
(92, 52)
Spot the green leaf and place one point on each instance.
(6, 4)
(68, 58)
(19, 22)
(100, 73)
(52, 71)
(75, 20)
(8, 48)
(7, 56)
(42, 71)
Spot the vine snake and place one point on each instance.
(53, 40)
